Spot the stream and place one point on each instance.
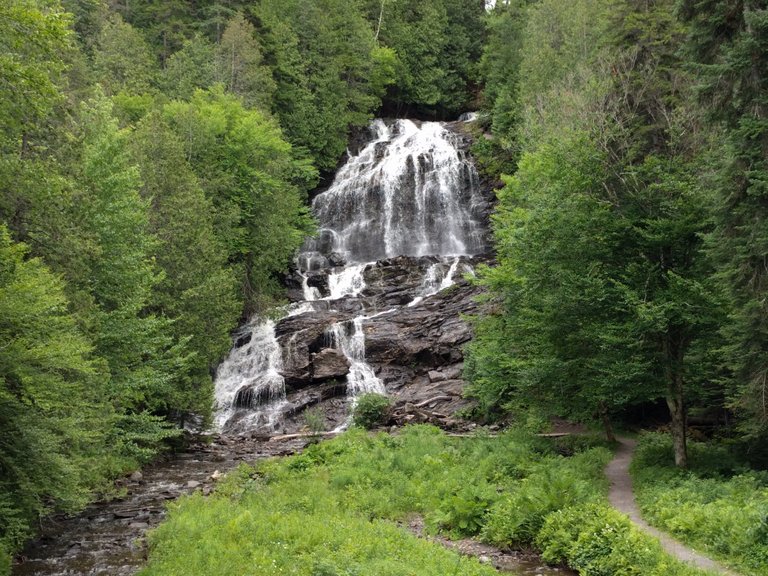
(109, 538)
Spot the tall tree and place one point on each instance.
(33, 37)
(189, 69)
(729, 43)
(599, 232)
(255, 182)
(330, 73)
(239, 65)
(51, 414)
(198, 291)
(123, 59)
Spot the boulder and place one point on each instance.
(329, 363)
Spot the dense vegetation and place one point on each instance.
(331, 510)
(631, 227)
(719, 506)
(155, 163)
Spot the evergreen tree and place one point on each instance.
(728, 42)
(189, 69)
(239, 65)
(329, 72)
(122, 59)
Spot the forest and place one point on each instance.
(156, 163)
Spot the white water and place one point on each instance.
(349, 337)
(250, 379)
(349, 281)
(434, 280)
(410, 191)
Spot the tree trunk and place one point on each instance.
(381, 17)
(677, 412)
(675, 401)
(607, 426)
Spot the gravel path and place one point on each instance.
(623, 499)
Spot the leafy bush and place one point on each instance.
(556, 484)
(370, 410)
(597, 540)
(315, 419)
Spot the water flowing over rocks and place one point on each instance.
(107, 539)
(378, 296)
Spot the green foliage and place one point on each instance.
(198, 290)
(727, 45)
(330, 509)
(189, 69)
(255, 181)
(34, 34)
(553, 485)
(51, 415)
(329, 72)
(603, 295)
(599, 541)
(239, 65)
(122, 59)
(437, 43)
(370, 410)
(315, 419)
(718, 506)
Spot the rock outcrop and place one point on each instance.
(396, 325)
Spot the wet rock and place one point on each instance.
(193, 484)
(136, 476)
(243, 340)
(125, 513)
(329, 363)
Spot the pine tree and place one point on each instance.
(728, 41)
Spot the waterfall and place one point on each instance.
(410, 191)
(249, 381)
(434, 281)
(349, 281)
(350, 339)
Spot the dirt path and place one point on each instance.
(623, 499)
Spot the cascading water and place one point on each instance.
(250, 378)
(350, 339)
(411, 191)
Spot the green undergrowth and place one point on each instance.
(334, 510)
(718, 505)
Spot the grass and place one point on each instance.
(717, 505)
(334, 509)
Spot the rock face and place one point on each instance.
(409, 198)
(329, 363)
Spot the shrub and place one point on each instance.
(597, 540)
(370, 410)
(557, 483)
(315, 420)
